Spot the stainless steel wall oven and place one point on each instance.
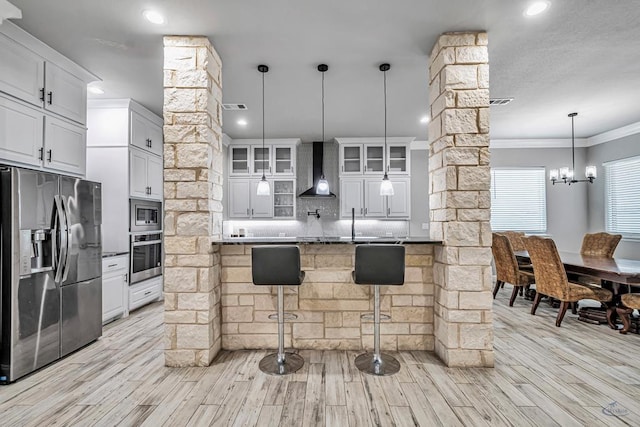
(146, 240)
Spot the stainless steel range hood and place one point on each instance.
(318, 154)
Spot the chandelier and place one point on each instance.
(565, 175)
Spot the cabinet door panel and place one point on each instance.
(261, 161)
(139, 131)
(21, 71)
(400, 203)
(351, 159)
(351, 197)
(65, 94)
(373, 159)
(239, 199)
(154, 177)
(65, 147)
(283, 160)
(138, 174)
(374, 205)
(398, 159)
(261, 206)
(21, 133)
(112, 296)
(239, 160)
(155, 138)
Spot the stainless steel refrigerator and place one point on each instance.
(50, 268)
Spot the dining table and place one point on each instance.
(614, 273)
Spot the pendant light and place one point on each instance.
(323, 185)
(386, 187)
(263, 186)
(566, 175)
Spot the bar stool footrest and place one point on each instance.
(285, 317)
(369, 316)
(388, 365)
(292, 362)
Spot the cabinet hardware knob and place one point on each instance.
(360, 210)
(150, 143)
(251, 212)
(388, 211)
(42, 94)
(247, 211)
(41, 152)
(50, 98)
(49, 155)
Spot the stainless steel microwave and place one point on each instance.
(145, 216)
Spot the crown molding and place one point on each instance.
(612, 135)
(537, 143)
(9, 11)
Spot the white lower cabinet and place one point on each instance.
(244, 201)
(363, 195)
(142, 293)
(115, 273)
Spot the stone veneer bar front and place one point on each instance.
(328, 304)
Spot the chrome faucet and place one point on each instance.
(353, 224)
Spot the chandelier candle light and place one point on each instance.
(263, 186)
(566, 175)
(386, 187)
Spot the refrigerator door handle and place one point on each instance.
(67, 226)
(62, 217)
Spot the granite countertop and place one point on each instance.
(324, 240)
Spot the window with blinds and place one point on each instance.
(622, 183)
(518, 200)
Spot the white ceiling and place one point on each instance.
(581, 55)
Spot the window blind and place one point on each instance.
(622, 212)
(518, 199)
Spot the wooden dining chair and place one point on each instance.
(551, 278)
(507, 269)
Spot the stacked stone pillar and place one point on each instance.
(193, 160)
(459, 197)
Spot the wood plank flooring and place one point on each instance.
(579, 374)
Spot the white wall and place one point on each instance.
(618, 149)
(566, 205)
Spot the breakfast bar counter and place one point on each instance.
(328, 305)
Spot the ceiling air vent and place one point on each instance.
(500, 101)
(234, 107)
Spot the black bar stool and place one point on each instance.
(274, 265)
(378, 265)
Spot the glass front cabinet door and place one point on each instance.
(398, 159)
(261, 160)
(374, 159)
(351, 159)
(239, 160)
(284, 199)
(284, 160)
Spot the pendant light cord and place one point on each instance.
(323, 106)
(384, 73)
(573, 152)
(263, 126)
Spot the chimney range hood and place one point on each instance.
(318, 154)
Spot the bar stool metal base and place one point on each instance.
(385, 365)
(270, 365)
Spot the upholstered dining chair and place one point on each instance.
(629, 302)
(507, 269)
(516, 238)
(551, 278)
(600, 244)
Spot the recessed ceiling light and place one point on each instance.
(153, 16)
(424, 119)
(242, 122)
(536, 8)
(96, 90)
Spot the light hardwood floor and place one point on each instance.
(544, 376)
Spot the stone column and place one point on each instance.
(459, 198)
(193, 200)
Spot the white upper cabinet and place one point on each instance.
(352, 197)
(244, 201)
(399, 205)
(374, 203)
(43, 105)
(21, 72)
(145, 134)
(367, 156)
(247, 157)
(145, 172)
(32, 78)
(65, 146)
(65, 94)
(30, 137)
